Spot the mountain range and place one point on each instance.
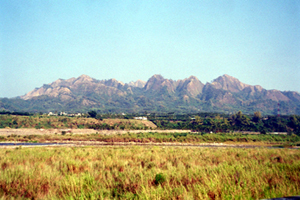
(225, 94)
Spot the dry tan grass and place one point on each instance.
(131, 121)
(148, 173)
(31, 131)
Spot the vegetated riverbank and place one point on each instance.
(159, 137)
(148, 173)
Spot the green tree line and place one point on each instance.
(212, 122)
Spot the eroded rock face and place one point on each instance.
(190, 86)
(157, 82)
(139, 83)
(229, 83)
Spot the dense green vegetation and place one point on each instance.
(212, 122)
(199, 122)
(148, 173)
(5, 112)
(48, 122)
(197, 138)
(218, 122)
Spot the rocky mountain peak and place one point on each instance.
(228, 83)
(84, 78)
(154, 82)
(56, 83)
(193, 78)
(225, 93)
(190, 86)
(139, 83)
(158, 82)
(157, 77)
(113, 83)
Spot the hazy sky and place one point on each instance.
(257, 42)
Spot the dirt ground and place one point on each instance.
(24, 131)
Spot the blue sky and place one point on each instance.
(257, 42)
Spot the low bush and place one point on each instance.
(159, 179)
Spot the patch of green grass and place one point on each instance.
(30, 141)
(169, 137)
(160, 179)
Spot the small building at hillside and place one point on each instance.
(279, 133)
(141, 118)
(52, 114)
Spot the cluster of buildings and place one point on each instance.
(65, 114)
(141, 118)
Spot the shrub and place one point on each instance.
(160, 179)
(81, 126)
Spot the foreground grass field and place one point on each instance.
(148, 173)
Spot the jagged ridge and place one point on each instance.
(224, 94)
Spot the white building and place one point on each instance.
(141, 118)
